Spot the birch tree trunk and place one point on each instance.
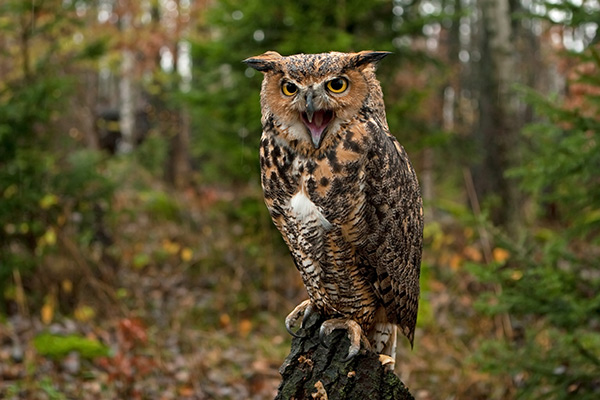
(126, 97)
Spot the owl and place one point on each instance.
(343, 193)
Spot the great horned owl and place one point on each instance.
(342, 192)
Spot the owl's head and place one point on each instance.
(311, 96)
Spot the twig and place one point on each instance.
(20, 294)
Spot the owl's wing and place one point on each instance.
(395, 220)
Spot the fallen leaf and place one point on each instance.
(187, 254)
(47, 311)
(245, 327)
(500, 255)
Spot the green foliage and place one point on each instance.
(58, 346)
(160, 205)
(152, 153)
(551, 283)
(46, 183)
(565, 172)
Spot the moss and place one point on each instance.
(57, 347)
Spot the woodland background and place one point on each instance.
(137, 260)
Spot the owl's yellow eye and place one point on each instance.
(337, 85)
(289, 89)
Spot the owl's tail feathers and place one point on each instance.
(384, 337)
(303, 310)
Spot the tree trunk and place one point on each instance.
(126, 97)
(178, 168)
(315, 369)
(496, 135)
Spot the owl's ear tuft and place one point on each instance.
(265, 62)
(369, 57)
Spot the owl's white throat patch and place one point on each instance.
(305, 210)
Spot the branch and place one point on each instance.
(316, 370)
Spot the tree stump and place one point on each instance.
(316, 370)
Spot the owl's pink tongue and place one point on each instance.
(317, 124)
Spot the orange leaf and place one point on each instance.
(245, 327)
(500, 255)
(47, 311)
(472, 253)
(186, 391)
(455, 262)
(224, 320)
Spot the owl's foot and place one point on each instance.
(303, 309)
(355, 334)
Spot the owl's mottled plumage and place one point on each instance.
(342, 192)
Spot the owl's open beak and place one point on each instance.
(317, 124)
(316, 121)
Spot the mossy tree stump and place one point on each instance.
(317, 370)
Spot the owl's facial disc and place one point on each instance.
(315, 120)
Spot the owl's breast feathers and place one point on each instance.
(351, 215)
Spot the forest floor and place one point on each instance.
(188, 302)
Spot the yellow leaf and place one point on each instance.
(516, 275)
(67, 286)
(47, 311)
(84, 313)
(170, 247)
(48, 201)
(11, 191)
(500, 255)
(49, 238)
(187, 254)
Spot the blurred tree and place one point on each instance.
(495, 135)
(44, 177)
(550, 285)
(144, 71)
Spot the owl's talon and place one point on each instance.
(322, 336)
(307, 313)
(294, 334)
(355, 334)
(352, 351)
(303, 309)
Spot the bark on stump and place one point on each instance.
(316, 370)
